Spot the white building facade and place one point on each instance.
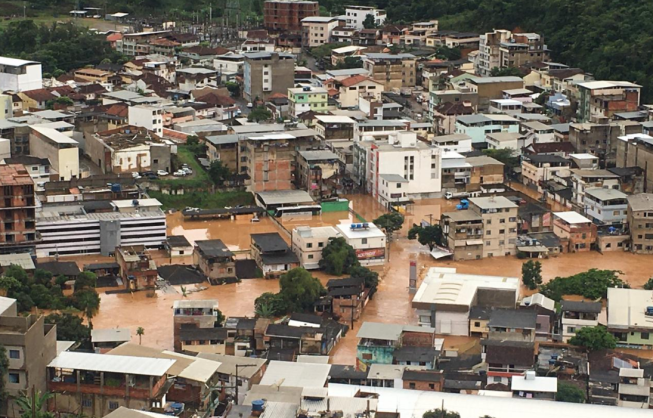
(20, 75)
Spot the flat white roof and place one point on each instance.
(410, 403)
(303, 375)
(388, 332)
(127, 203)
(55, 135)
(316, 231)
(23, 260)
(372, 230)
(110, 335)
(346, 49)
(390, 371)
(313, 359)
(507, 102)
(627, 308)
(113, 364)
(493, 202)
(572, 217)
(444, 287)
(606, 84)
(334, 119)
(15, 62)
(584, 156)
(536, 384)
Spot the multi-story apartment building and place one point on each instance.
(492, 88)
(502, 49)
(214, 259)
(60, 149)
(640, 222)
(393, 70)
(499, 217)
(636, 150)
(400, 169)
(137, 269)
(602, 140)
(80, 228)
(133, 44)
(148, 117)
(316, 30)
(307, 98)
(600, 100)
(287, 15)
(368, 241)
(356, 15)
(266, 73)
(576, 232)
(193, 314)
(582, 180)
(629, 317)
(30, 345)
(463, 233)
(479, 126)
(538, 169)
(268, 161)
(17, 210)
(96, 384)
(318, 172)
(308, 243)
(606, 206)
(577, 315)
(19, 75)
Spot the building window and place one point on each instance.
(411, 385)
(15, 354)
(113, 405)
(477, 324)
(309, 245)
(87, 402)
(645, 335)
(502, 231)
(502, 221)
(364, 241)
(310, 256)
(13, 378)
(367, 356)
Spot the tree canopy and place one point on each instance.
(259, 114)
(338, 257)
(370, 278)
(568, 392)
(531, 273)
(369, 22)
(390, 222)
(505, 72)
(430, 235)
(70, 328)
(300, 290)
(592, 284)
(219, 172)
(439, 413)
(594, 338)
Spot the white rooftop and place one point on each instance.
(110, 335)
(534, 384)
(304, 375)
(316, 231)
(584, 156)
(493, 202)
(334, 119)
(127, 203)
(444, 286)
(390, 371)
(55, 135)
(23, 260)
(15, 62)
(372, 231)
(598, 84)
(112, 364)
(572, 217)
(410, 403)
(627, 308)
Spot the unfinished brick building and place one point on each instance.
(17, 206)
(287, 15)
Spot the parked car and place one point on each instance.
(179, 173)
(187, 170)
(250, 105)
(162, 173)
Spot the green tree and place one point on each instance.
(63, 100)
(195, 146)
(140, 331)
(4, 369)
(370, 278)
(34, 407)
(350, 62)
(70, 328)
(390, 222)
(505, 72)
(592, 284)
(234, 88)
(269, 305)
(448, 54)
(300, 290)
(649, 284)
(259, 114)
(531, 273)
(594, 338)
(505, 155)
(219, 172)
(568, 392)
(42, 297)
(85, 280)
(42, 277)
(87, 301)
(338, 257)
(369, 22)
(439, 413)
(430, 235)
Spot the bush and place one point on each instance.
(592, 284)
(568, 392)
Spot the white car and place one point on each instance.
(187, 170)
(179, 173)
(162, 173)
(250, 105)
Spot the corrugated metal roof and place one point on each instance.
(304, 375)
(113, 364)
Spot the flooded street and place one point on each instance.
(391, 304)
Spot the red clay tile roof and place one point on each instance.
(355, 79)
(40, 95)
(277, 96)
(202, 50)
(333, 92)
(114, 37)
(218, 100)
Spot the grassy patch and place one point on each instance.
(203, 200)
(199, 179)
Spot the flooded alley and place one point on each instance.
(391, 304)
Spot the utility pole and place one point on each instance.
(237, 366)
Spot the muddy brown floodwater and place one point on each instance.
(391, 304)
